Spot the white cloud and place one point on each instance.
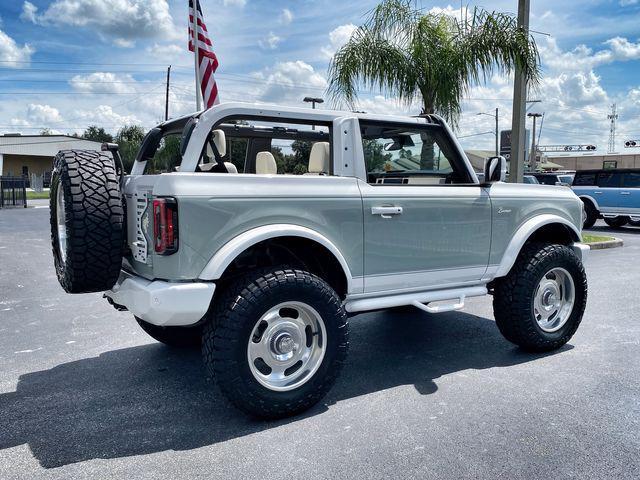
(103, 82)
(104, 115)
(122, 20)
(450, 11)
(166, 51)
(337, 38)
(42, 114)
(270, 42)
(288, 82)
(625, 3)
(584, 58)
(235, 3)
(29, 11)
(13, 55)
(286, 17)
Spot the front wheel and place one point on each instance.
(617, 222)
(540, 303)
(279, 340)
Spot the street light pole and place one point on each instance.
(516, 163)
(532, 157)
(313, 101)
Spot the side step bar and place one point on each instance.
(418, 299)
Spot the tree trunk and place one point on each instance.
(427, 152)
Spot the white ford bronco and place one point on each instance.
(256, 232)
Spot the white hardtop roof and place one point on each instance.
(43, 145)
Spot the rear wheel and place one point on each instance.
(173, 336)
(278, 343)
(540, 303)
(87, 221)
(617, 222)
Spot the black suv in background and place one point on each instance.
(554, 178)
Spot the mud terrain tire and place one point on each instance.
(87, 213)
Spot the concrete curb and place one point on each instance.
(616, 242)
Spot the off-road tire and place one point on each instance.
(94, 221)
(591, 214)
(617, 222)
(181, 337)
(514, 294)
(238, 307)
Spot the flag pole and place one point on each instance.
(196, 56)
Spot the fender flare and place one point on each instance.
(230, 251)
(591, 199)
(523, 234)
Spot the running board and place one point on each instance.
(418, 299)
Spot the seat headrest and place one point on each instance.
(319, 158)
(231, 168)
(266, 163)
(220, 141)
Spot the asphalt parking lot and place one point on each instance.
(85, 393)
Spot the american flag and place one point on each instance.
(207, 60)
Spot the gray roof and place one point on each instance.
(43, 145)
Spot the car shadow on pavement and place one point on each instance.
(153, 398)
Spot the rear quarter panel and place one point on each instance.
(215, 208)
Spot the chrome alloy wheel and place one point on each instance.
(61, 222)
(553, 300)
(287, 346)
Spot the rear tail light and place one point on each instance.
(165, 225)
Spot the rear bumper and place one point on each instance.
(582, 250)
(160, 302)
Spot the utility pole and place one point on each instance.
(532, 157)
(166, 96)
(497, 135)
(497, 129)
(613, 117)
(518, 132)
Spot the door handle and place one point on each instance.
(597, 192)
(386, 211)
(625, 193)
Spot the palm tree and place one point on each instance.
(430, 58)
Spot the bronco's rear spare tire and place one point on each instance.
(87, 221)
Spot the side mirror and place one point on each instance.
(495, 169)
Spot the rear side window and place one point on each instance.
(609, 180)
(584, 179)
(632, 180)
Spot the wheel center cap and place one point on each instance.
(285, 344)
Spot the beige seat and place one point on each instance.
(220, 141)
(320, 159)
(266, 164)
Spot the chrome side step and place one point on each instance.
(418, 299)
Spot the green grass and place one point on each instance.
(37, 195)
(596, 238)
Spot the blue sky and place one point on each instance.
(65, 64)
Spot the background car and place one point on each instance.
(554, 178)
